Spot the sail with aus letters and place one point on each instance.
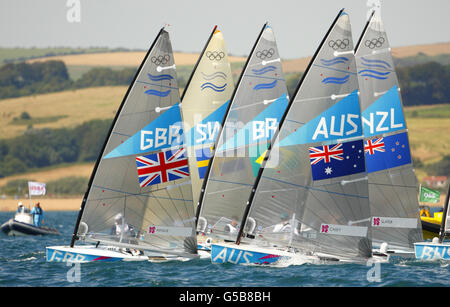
(392, 182)
(139, 196)
(311, 195)
(251, 120)
(204, 102)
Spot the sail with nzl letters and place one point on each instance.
(251, 120)
(204, 102)
(311, 195)
(392, 182)
(139, 196)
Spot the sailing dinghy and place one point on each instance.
(394, 207)
(251, 119)
(309, 202)
(204, 102)
(437, 249)
(138, 205)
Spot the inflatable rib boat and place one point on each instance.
(22, 225)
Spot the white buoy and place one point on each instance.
(384, 247)
(435, 240)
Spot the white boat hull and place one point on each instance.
(432, 251)
(87, 253)
(253, 255)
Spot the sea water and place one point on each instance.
(23, 263)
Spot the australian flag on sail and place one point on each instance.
(203, 155)
(387, 152)
(162, 167)
(336, 160)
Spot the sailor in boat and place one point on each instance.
(284, 225)
(125, 233)
(232, 227)
(20, 208)
(37, 214)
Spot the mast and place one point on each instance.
(99, 158)
(266, 157)
(208, 170)
(444, 217)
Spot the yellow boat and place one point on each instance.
(430, 224)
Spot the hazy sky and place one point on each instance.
(299, 25)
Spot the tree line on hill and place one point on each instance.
(48, 147)
(420, 84)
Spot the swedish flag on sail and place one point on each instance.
(203, 155)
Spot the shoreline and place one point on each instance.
(47, 204)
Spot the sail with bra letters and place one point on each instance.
(256, 107)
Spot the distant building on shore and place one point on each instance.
(436, 181)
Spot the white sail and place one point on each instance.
(140, 193)
(392, 182)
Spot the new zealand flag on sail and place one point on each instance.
(336, 160)
(387, 152)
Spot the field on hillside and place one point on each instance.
(69, 108)
(121, 59)
(124, 59)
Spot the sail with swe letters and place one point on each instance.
(392, 182)
(204, 103)
(252, 118)
(142, 175)
(311, 192)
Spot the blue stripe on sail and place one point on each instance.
(217, 74)
(262, 86)
(376, 61)
(160, 77)
(341, 58)
(264, 70)
(158, 93)
(373, 76)
(338, 60)
(213, 87)
(336, 80)
(375, 66)
(375, 72)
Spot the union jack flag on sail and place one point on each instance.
(374, 145)
(162, 167)
(325, 153)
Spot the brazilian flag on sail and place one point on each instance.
(429, 196)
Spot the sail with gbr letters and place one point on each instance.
(256, 107)
(392, 182)
(311, 194)
(141, 180)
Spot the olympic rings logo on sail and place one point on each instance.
(215, 55)
(376, 42)
(339, 44)
(265, 54)
(160, 59)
